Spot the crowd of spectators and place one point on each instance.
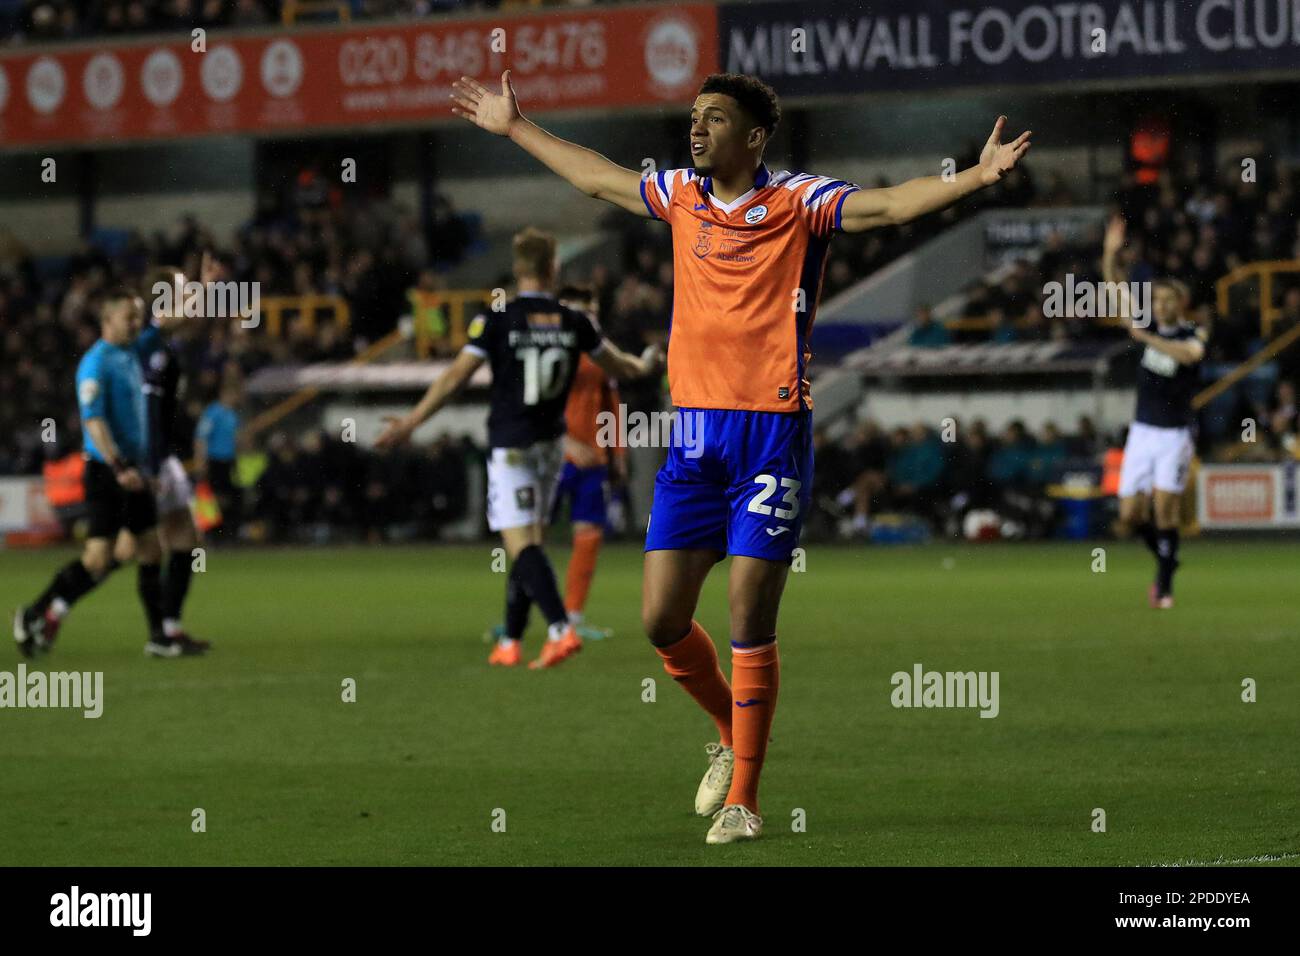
(317, 488)
(940, 476)
(24, 21)
(1190, 224)
(367, 253)
(377, 256)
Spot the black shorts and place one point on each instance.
(112, 508)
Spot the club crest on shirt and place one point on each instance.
(703, 244)
(755, 214)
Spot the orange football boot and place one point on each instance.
(553, 652)
(506, 655)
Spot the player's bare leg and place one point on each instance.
(1167, 506)
(534, 579)
(670, 592)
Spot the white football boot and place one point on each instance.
(734, 823)
(712, 793)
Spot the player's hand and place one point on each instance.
(494, 112)
(130, 479)
(1113, 241)
(397, 429)
(654, 359)
(999, 158)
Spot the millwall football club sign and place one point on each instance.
(814, 47)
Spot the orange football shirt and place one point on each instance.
(593, 392)
(746, 279)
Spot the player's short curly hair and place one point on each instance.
(755, 97)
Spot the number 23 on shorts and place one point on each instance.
(788, 509)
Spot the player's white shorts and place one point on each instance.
(522, 484)
(174, 488)
(1155, 458)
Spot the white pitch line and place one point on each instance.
(1264, 858)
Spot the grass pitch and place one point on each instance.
(1104, 703)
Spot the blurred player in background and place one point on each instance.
(123, 518)
(590, 470)
(1160, 445)
(164, 379)
(749, 250)
(533, 348)
(585, 480)
(216, 455)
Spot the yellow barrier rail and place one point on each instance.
(458, 306)
(1213, 391)
(274, 308)
(1265, 271)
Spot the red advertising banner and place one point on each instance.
(309, 79)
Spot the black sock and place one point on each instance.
(518, 604)
(179, 571)
(149, 585)
(1147, 532)
(538, 579)
(72, 583)
(1166, 559)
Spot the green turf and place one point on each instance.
(1104, 703)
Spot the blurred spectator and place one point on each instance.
(926, 332)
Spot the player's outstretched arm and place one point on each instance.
(614, 361)
(871, 208)
(210, 270)
(1111, 272)
(1111, 244)
(586, 169)
(399, 429)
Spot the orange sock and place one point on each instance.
(693, 663)
(582, 568)
(755, 678)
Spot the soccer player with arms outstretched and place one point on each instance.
(1159, 447)
(749, 247)
(533, 348)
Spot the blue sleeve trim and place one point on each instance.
(839, 207)
(646, 199)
